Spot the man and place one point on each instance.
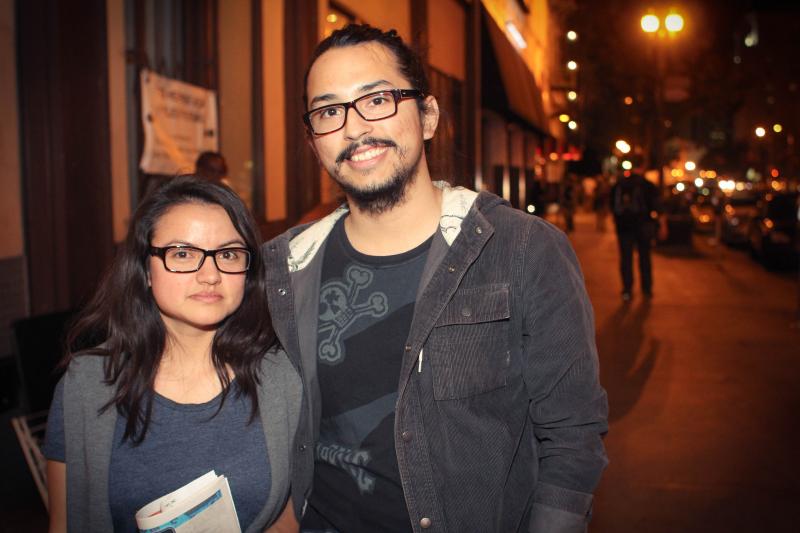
(634, 202)
(211, 166)
(445, 340)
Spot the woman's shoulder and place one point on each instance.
(86, 368)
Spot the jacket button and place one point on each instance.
(479, 230)
(466, 311)
(407, 436)
(408, 347)
(282, 291)
(451, 269)
(425, 523)
(302, 447)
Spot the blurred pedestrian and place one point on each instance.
(568, 201)
(634, 203)
(211, 166)
(601, 200)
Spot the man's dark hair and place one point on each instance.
(408, 61)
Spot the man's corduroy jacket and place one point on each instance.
(500, 415)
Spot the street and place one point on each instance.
(703, 390)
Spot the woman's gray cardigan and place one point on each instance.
(89, 438)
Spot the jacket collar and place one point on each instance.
(456, 203)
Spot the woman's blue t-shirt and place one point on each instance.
(183, 442)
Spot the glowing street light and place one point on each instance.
(650, 23)
(572, 125)
(760, 132)
(572, 65)
(673, 22)
(572, 96)
(572, 36)
(623, 146)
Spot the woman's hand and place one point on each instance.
(57, 496)
(286, 522)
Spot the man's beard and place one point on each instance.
(376, 199)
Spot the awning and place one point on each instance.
(522, 96)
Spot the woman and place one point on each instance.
(183, 376)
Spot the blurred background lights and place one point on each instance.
(650, 23)
(572, 35)
(627, 165)
(623, 146)
(698, 182)
(777, 128)
(531, 209)
(760, 132)
(628, 100)
(680, 187)
(572, 125)
(673, 22)
(563, 117)
(690, 166)
(516, 35)
(572, 65)
(572, 96)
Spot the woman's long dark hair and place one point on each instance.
(123, 323)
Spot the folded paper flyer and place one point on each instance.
(204, 505)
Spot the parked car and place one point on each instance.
(704, 214)
(738, 211)
(773, 232)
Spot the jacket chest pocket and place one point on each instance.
(468, 348)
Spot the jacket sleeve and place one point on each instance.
(569, 408)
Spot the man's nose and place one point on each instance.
(355, 126)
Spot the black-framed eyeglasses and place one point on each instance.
(187, 259)
(373, 106)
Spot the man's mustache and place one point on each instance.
(348, 152)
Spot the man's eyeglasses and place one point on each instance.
(186, 259)
(373, 106)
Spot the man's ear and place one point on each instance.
(430, 117)
(310, 141)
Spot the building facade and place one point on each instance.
(71, 135)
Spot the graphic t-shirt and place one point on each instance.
(365, 309)
(183, 442)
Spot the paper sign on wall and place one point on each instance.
(180, 122)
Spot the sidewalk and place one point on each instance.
(702, 383)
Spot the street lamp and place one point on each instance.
(651, 24)
(673, 23)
